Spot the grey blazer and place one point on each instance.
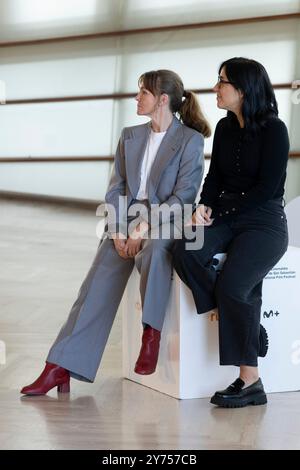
(176, 173)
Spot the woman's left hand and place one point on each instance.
(134, 241)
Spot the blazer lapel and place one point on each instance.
(134, 153)
(168, 148)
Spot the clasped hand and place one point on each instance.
(129, 247)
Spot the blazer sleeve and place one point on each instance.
(115, 197)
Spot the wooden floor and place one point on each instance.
(46, 251)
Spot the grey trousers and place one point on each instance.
(82, 339)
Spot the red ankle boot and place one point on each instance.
(147, 360)
(52, 376)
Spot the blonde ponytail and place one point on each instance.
(192, 115)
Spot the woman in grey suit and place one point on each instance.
(157, 163)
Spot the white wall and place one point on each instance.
(293, 174)
(29, 19)
(114, 65)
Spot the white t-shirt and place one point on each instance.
(152, 147)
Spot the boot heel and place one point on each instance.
(262, 400)
(64, 388)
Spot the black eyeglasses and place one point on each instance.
(221, 81)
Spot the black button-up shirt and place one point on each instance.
(245, 172)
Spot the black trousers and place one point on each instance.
(254, 242)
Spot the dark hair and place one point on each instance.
(259, 102)
(167, 81)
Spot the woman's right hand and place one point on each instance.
(201, 216)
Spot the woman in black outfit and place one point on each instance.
(241, 208)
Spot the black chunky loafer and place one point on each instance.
(235, 396)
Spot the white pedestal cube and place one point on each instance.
(188, 365)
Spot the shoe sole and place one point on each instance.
(254, 400)
(145, 373)
(263, 342)
(61, 388)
